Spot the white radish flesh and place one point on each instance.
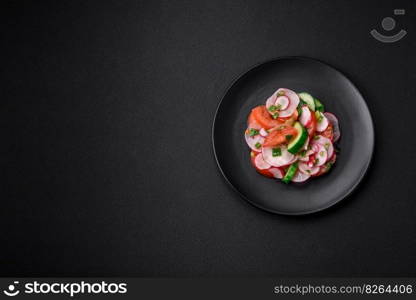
(321, 156)
(319, 139)
(260, 163)
(306, 116)
(306, 156)
(282, 102)
(252, 141)
(283, 159)
(277, 173)
(300, 177)
(271, 101)
(304, 168)
(322, 124)
(263, 132)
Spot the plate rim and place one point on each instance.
(304, 212)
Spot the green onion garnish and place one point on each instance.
(288, 137)
(257, 145)
(275, 115)
(273, 108)
(276, 152)
(253, 132)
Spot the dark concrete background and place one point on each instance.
(106, 165)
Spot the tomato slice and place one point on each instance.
(264, 172)
(262, 117)
(329, 132)
(311, 128)
(279, 136)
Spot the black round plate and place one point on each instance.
(338, 95)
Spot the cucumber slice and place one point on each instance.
(308, 99)
(297, 143)
(291, 171)
(318, 105)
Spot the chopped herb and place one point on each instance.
(253, 132)
(252, 154)
(276, 152)
(273, 108)
(275, 115)
(319, 116)
(326, 146)
(309, 171)
(288, 137)
(316, 161)
(280, 93)
(257, 145)
(278, 106)
(303, 153)
(328, 167)
(322, 153)
(316, 137)
(299, 108)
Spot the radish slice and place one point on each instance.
(293, 102)
(300, 177)
(306, 156)
(306, 117)
(321, 156)
(282, 102)
(335, 125)
(277, 173)
(271, 101)
(260, 163)
(263, 132)
(315, 147)
(304, 168)
(324, 169)
(253, 140)
(277, 161)
(319, 139)
(322, 124)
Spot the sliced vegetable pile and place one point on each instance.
(291, 137)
